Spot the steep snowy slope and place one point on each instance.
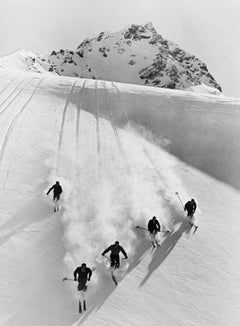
(26, 61)
(136, 54)
(120, 152)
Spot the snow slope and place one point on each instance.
(120, 152)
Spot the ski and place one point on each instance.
(196, 227)
(114, 279)
(80, 307)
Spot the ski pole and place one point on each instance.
(177, 194)
(68, 279)
(107, 257)
(140, 227)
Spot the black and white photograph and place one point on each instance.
(119, 163)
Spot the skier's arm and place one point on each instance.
(89, 274)
(123, 252)
(194, 207)
(158, 226)
(50, 189)
(149, 225)
(75, 274)
(106, 250)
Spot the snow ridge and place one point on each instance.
(137, 54)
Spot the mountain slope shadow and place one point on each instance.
(165, 249)
(34, 211)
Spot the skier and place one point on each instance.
(114, 256)
(82, 274)
(190, 207)
(154, 227)
(57, 190)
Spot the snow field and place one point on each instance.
(120, 152)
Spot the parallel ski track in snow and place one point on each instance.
(99, 147)
(137, 139)
(18, 94)
(14, 121)
(77, 128)
(97, 119)
(60, 137)
(14, 90)
(114, 128)
(4, 88)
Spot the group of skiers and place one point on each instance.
(82, 274)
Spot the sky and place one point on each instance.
(208, 29)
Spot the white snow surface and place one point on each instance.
(121, 152)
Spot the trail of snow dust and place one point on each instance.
(103, 201)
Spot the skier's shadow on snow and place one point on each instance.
(161, 253)
(36, 210)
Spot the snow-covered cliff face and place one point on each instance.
(136, 54)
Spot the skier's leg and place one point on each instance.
(81, 300)
(190, 215)
(155, 237)
(152, 239)
(117, 261)
(112, 258)
(55, 204)
(81, 285)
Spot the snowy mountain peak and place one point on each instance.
(138, 32)
(137, 54)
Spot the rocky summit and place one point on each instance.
(137, 54)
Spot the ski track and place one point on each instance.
(114, 128)
(13, 91)
(100, 129)
(4, 88)
(97, 119)
(17, 95)
(60, 137)
(14, 121)
(100, 146)
(77, 128)
(137, 139)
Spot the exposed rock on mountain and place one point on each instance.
(136, 54)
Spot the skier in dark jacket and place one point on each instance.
(82, 274)
(154, 225)
(57, 190)
(114, 256)
(190, 207)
